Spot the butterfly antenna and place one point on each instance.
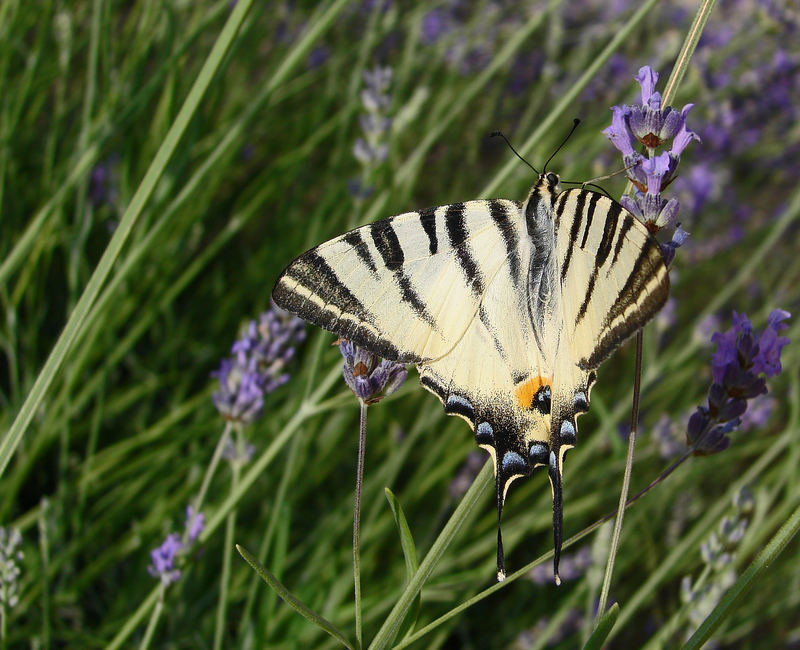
(592, 181)
(575, 123)
(495, 134)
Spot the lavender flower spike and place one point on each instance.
(367, 375)
(163, 559)
(258, 364)
(195, 523)
(741, 357)
(10, 556)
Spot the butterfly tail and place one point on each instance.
(501, 563)
(554, 472)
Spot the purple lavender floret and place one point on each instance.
(653, 126)
(195, 523)
(258, 365)
(163, 559)
(741, 358)
(367, 375)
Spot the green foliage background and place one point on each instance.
(121, 433)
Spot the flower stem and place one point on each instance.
(212, 467)
(155, 615)
(626, 482)
(227, 554)
(362, 441)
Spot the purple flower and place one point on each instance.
(619, 133)
(104, 182)
(653, 126)
(739, 360)
(257, 367)
(319, 55)
(434, 24)
(367, 375)
(238, 452)
(679, 237)
(195, 522)
(649, 123)
(163, 560)
(373, 148)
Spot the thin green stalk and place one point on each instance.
(212, 467)
(44, 553)
(626, 482)
(362, 443)
(77, 319)
(227, 555)
(155, 615)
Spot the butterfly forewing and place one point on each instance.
(406, 287)
(612, 274)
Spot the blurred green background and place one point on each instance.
(267, 166)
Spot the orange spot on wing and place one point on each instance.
(526, 390)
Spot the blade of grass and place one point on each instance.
(290, 599)
(410, 557)
(394, 620)
(603, 629)
(77, 318)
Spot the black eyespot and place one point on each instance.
(541, 401)
(539, 453)
(552, 179)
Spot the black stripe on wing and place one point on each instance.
(504, 224)
(603, 250)
(458, 233)
(427, 218)
(589, 213)
(355, 239)
(573, 233)
(391, 251)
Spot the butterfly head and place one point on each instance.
(549, 182)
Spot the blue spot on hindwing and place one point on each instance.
(460, 405)
(568, 435)
(538, 453)
(513, 463)
(484, 434)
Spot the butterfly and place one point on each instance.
(506, 308)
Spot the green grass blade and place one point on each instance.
(410, 557)
(603, 629)
(391, 625)
(77, 319)
(290, 599)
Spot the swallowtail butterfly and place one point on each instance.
(506, 308)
